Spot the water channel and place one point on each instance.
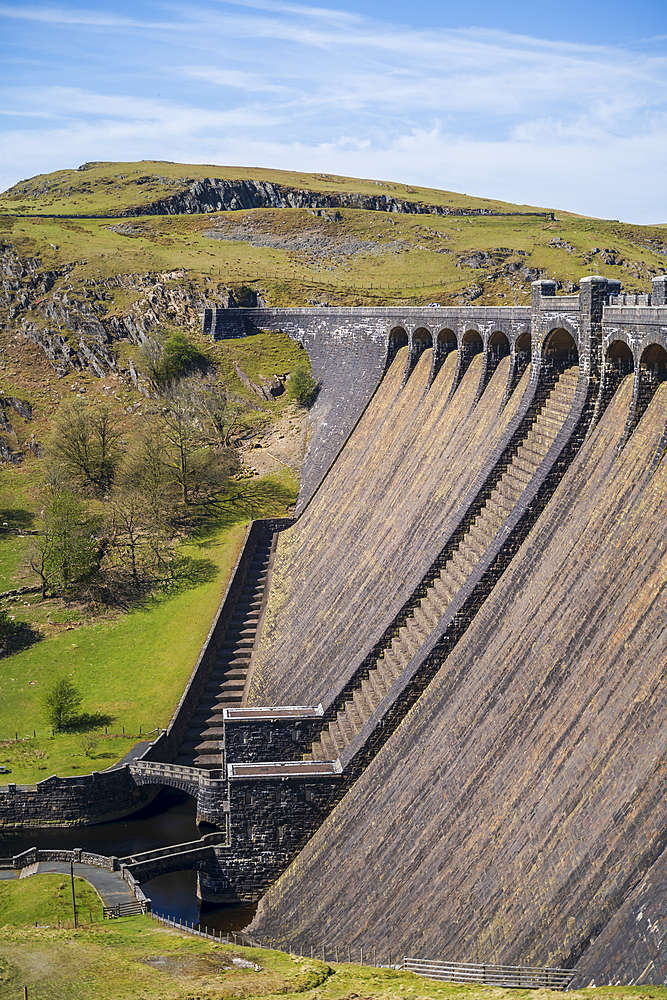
(170, 819)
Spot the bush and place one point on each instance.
(179, 356)
(61, 703)
(302, 385)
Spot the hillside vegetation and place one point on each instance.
(135, 958)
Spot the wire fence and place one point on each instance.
(508, 976)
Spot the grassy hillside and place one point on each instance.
(108, 187)
(135, 957)
(295, 256)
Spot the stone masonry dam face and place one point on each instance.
(451, 740)
(523, 797)
(376, 522)
(518, 807)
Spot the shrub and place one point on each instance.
(179, 356)
(302, 385)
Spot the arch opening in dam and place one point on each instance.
(471, 344)
(653, 362)
(620, 357)
(398, 338)
(523, 346)
(499, 345)
(560, 348)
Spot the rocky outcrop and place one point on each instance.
(77, 326)
(10, 447)
(211, 194)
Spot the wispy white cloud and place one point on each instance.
(85, 18)
(295, 85)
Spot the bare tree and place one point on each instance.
(85, 443)
(66, 552)
(194, 465)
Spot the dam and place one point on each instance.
(430, 713)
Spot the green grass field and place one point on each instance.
(135, 958)
(132, 667)
(47, 900)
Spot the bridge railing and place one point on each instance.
(207, 841)
(522, 977)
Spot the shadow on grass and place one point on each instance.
(16, 517)
(86, 721)
(187, 572)
(16, 636)
(252, 498)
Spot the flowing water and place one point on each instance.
(170, 819)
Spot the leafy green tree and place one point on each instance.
(61, 703)
(179, 356)
(301, 387)
(65, 553)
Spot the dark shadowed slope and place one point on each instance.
(381, 516)
(524, 794)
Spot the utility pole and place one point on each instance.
(71, 871)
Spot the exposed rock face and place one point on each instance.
(214, 195)
(10, 448)
(76, 328)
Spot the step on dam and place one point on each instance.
(430, 715)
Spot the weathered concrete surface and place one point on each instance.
(378, 520)
(523, 798)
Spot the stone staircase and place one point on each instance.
(389, 666)
(203, 742)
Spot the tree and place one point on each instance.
(179, 355)
(225, 412)
(194, 466)
(85, 442)
(150, 361)
(302, 386)
(65, 553)
(61, 703)
(163, 362)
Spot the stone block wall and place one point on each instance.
(409, 471)
(523, 797)
(71, 801)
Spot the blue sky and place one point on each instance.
(559, 105)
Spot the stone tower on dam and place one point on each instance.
(431, 713)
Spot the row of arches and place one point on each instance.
(652, 360)
(559, 347)
(473, 343)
